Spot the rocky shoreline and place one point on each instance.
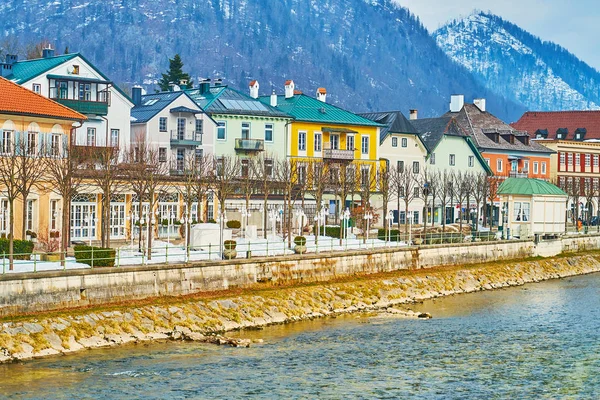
(206, 320)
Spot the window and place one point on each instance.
(335, 142)
(91, 136)
(269, 132)
(37, 88)
(198, 154)
(404, 142)
(570, 159)
(394, 142)
(269, 166)
(55, 144)
(401, 192)
(302, 174)
(365, 175)
(63, 90)
(521, 211)
(30, 215)
(452, 160)
(415, 167)
(525, 166)
(162, 124)
(487, 161)
(85, 92)
(7, 142)
(75, 70)
(595, 160)
(365, 145)
(318, 138)
(415, 217)
(432, 159)
(471, 161)
(349, 142)
(53, 214)
(181, 123)
(416, 193)
(535, 167)
(245, 168)
(114, 137)
(162, 154)
(302, 141)
(400, 166)
(588, 160)
(543, 168)
(221, 130)
(245, 130)
(577, 159)
(31, 143)
(499, 165)
(199, 130)
(562, 158)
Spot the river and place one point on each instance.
(536, 341)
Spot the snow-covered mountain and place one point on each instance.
(519, 66)
(370, 55)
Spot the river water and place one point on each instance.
(536, 341)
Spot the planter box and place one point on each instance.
(52, 257)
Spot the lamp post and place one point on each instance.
(368, 217)
(185, 219)
(90, 222)
(222, 220)
(390, 220)
(133, 218)
(245, 214)
(280, 219)
(504, 221)
(273, 218)
(346, 217)
(300, 217)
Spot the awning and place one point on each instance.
(337, 130)
(78, 78)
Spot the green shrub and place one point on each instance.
(332, 231)
(212, 221)
(230, 244)
(31, 234)
(299, 240)
(22, 249)
(485, 236)
(394, 234)
(95, 256)
(234, 224)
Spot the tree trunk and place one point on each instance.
(11, 231)
(265, 205)
(24, 218)
(65, 230)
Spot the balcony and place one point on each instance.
(519, 174)
(85, 107)
(336, 154)
(249, 145)
(186, 138)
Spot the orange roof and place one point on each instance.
(252, 83)
(289, 82)
(322, 90)
(15, 99)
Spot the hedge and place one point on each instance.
(234, 224)
(22, 249)
(394, 234)
(102, 257)
(299, 240)
(332, 231)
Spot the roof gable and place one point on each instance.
(26, 70)
(225, 100)
(549, 122)
(152, 104)
(392, 121)
(529, 187)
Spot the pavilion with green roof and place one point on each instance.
(532, 206)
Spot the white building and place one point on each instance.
(73, 81)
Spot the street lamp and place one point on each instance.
(368, 217)
(245, 214)
(221, 220)
(300, 217)
(504, 221)
(345, 216)
(390, 220)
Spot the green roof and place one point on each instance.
(529, 187)
(309, 109)
(29, 69)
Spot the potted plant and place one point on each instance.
(31, 235)
(300, 242)
(50, 245)
(229, 252)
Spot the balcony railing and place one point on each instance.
(518, 174)
(337, 154)
(85, 107)
(186, 138)
(249, 144)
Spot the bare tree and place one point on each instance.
(462, 192)
(346, 183)
(265, 176)
(9, 178)
(445, 193)
(480, 188)
(247, 182)
(224, 178)
(407, 186)
(136, 166)
(589, 193)
(493, 184)
(30, 170)
(35, 50)
(318, 174)
(425, 183)
(61, 173)
(287, 175)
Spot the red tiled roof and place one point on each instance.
(322, 90)
(252, 83)
(15, 99)
(288, 82)
(531, 121)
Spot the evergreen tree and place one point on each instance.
(174, 75)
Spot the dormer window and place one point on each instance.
(493, 136)
(509, 137)
(541, 134)
(561, 133)
(523, 139)
(580, 133)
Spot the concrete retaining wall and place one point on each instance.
(44, 291)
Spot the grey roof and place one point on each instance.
(477, 123)
(182, 109)
(225, 100)
(152, 104)
(432, 130)
(393, 121)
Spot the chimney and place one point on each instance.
(289, 89)
(136, 95)
(480, 103)
(183, 83)
(322, 94)
(48, 52)
(414, 114)
(12, 58)
(174, 88)
(5, 69)
(273, 99)
(218, 82)
(254, 89)
(457, 102)
(204, 86)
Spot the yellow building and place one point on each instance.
(32, 125)
(324, 132)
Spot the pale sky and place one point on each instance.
(573, 24)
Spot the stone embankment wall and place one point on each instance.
(44, 291)
(199, 319)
